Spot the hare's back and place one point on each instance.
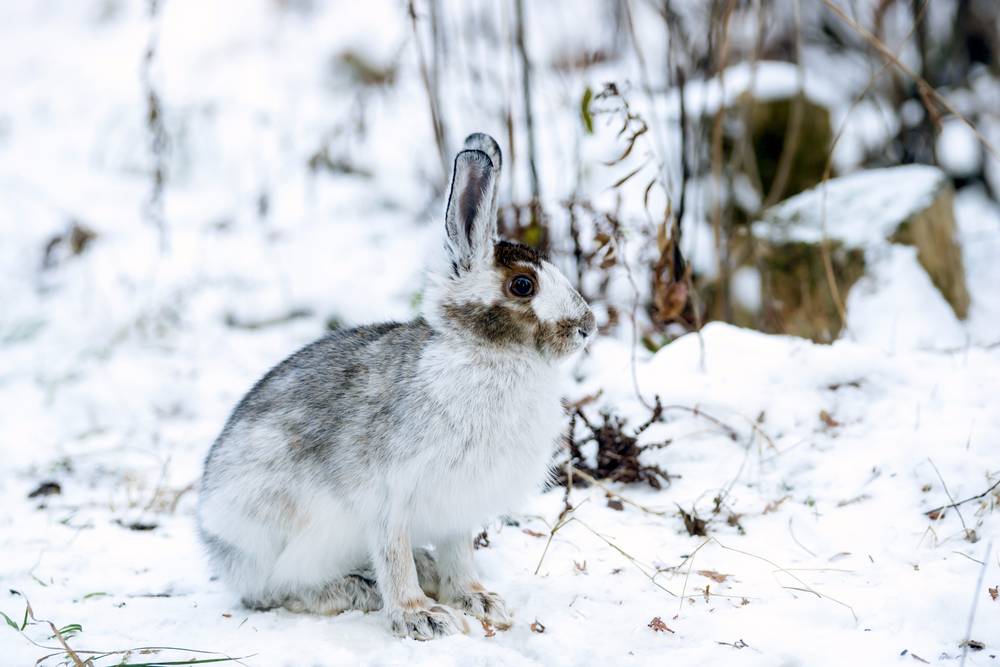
(325, 395)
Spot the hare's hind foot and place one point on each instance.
(470, 598)
(423, 620)
(350, 592)
(484, 605)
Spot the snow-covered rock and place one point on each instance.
(857, 217)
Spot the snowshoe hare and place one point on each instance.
(350, 456)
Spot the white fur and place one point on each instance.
(556, 299)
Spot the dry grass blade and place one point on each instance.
(729, 430)
(632, 559)
(975, 603)
(804, 586)
(564, 517)
(690, 560)
(74, 657)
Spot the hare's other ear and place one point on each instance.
(471, 217)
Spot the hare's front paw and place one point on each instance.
(423, 623)
(487, 607)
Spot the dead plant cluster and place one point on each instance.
(618, 450)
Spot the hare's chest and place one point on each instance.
(495, 437)
(487, 410)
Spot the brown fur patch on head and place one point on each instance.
(506, 324)
(509, 254)
(512, 321)
(500, 324)
(514, 259)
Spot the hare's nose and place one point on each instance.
(587, 326)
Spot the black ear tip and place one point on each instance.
(474, 161)
(478, 141)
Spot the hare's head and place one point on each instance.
(500, 292)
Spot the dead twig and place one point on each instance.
(804, 586)
(596, 482)
(618, 451)
(937, 510)
(729, 430)
(793, 131)
(563, 518)
(433, 103)
(969, 534)
(522, 51)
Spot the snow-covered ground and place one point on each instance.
(118, 367)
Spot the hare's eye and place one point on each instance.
(522, 286)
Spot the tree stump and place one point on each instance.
(852, 216)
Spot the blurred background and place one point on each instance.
(191, 190)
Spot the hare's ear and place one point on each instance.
(471, 217)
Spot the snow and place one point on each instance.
(895, 305)
(118, 368)
(861, 209)
(958, 148)
(766, 80)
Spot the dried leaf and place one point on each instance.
(994, 592)
(537, 627)
(616, 504)
(533, 533)
(80, 237)
(670, 300)
(48, 488)
(657, 625)
(488, 630)
(693, 524)
(828, 420)
(717, 577)
(482, 541)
